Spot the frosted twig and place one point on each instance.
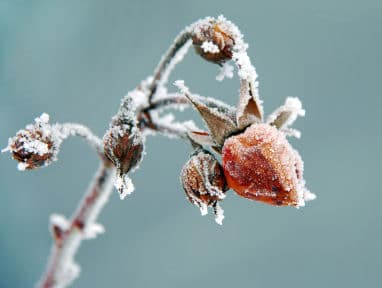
(74, 129)
(62, 269)
(169, 60)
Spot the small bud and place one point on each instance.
(35, 146)
(203, 181)
(213, 41)
(123, 145)
(261, 165)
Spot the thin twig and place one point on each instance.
(74, 129)
(169, 60)
(61, 269)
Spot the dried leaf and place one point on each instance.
(219, 123)
(249, 108)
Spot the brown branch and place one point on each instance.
(61, 269)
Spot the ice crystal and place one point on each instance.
(209, 47)
(226, 71)
(124, 185)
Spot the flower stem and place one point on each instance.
(61, 269)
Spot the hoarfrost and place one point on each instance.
(124, 185)
(286, 115)
(219, 214)
(226, 71)
(92, 230)
(60, 221)
(209, 47)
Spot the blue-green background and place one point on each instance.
(74, 59)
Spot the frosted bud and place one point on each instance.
(213, 41)
(35, 146)
(260, 164)
(204, 183)
(123, 145)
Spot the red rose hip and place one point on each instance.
(260, 164)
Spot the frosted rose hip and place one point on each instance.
(261, 165)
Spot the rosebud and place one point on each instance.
(261, 165)
(123, 145)
(213, 40)
(204, 183)
(35, 146)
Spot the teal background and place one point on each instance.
(75, 59)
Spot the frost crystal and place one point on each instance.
(285, 115)
(124, 185)
(59, 221)
(226, 71)
(209, 47)
(92, 230)
(219, 214)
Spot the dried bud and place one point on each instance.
(213, 40)
(123, 145)
(35, 146)
(203, 181)
(261, 165)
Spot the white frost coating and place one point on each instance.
(174, 61)
(203, 209)
(44, 118)
(62, 269)
(36, 147)
(59, 221)
(219, 214)
(226, 71)
(124, 185)
(182, 87)
(92, 230)
(166, 124)
(22, 166)
(209, 47)
(309, 196)
(290, 110)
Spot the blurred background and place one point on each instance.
(76, 59)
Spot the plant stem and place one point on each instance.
(61, 269)
(172, 57)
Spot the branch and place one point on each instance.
(172, 57)
(62, 269)
(74, 129)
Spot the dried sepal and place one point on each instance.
(249, 108)
(284, 116)
(218, 120)
(35, 146)
(204, 183)
(261, 165)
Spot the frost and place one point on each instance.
(287, 114)
(203, 209)
(70, 272)
(226, 71)
(219, 214)
(22, 166)
(60, 221)
(209, 47)
(124, 185)
(182, 87)
(309, 196)
(92, 230)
